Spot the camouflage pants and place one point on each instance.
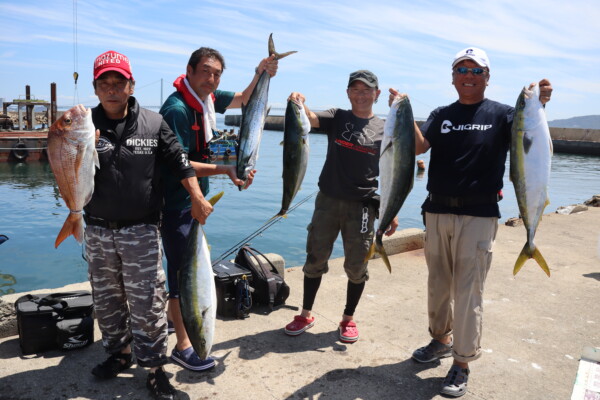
(128, 287)
(355, 221)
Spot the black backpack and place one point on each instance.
(269, 287)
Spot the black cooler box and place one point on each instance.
(55, 321)
(227, 273)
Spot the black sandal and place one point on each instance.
(159, 385)
(113, 366)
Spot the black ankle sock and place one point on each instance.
(311, 286)
(353, 293)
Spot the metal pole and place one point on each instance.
(53, 112)
(28, 108)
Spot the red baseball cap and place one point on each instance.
(112, 61)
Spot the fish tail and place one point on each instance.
(381, 251)
(377, 247)
(370, 253)
(272, 51)
(73, 226)
(213, 200)
(527, 253)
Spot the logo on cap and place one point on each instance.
(112, 61)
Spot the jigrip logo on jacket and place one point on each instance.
(447, 127)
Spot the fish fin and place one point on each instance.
(96, 137)
(527, 253)
(389, 146)
(537, 256)
(370, 253)
(73, 226)
(96, 159)
(523, 256)
(527, 141)
(275, 53)
(381, 251)
(551, 147)
(213, 200)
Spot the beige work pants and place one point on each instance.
(458, 251)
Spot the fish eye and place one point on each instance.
(68, 121)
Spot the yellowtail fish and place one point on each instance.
(396, 169)
(530, 159)
(295, 152)
(198, 295)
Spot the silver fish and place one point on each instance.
(73, 159)
(396, 168)
(295, 152)
(253, 120)
(198, 296)
(530, 160)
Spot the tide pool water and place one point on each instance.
(32, 213)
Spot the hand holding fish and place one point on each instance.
(201, 209)
(232, 174)
(297, 97)
(268, 64)
(545, 90)
(393, 226)
(393, 94)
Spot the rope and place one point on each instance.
(75, 54)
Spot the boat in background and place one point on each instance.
(223, 147)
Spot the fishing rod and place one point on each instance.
(260, 230)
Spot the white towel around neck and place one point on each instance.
(209, 115)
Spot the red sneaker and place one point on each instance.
(348, 332)
(299, 325)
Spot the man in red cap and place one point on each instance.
(122, 235)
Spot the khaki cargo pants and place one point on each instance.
(458, 250)
(355, 221)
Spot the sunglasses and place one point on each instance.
(465, 70)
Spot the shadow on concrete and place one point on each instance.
(252, 347)
(594, 275)
(391, 381)
(72, 377)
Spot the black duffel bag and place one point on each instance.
(55, 321)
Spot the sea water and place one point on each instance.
(32, 213)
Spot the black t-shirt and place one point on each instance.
(352, 164)
(469, 144)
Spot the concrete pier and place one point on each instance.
(534, 330)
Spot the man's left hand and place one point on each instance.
(201, 209)
(231, 172)
(392, 228)
(268, 64)
(545, 91)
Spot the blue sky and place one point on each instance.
(408, 44)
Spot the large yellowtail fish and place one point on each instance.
(396, 169)
(295, 152)
(253, 120)
(73, 159)
(198, 295)
(530, 158)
